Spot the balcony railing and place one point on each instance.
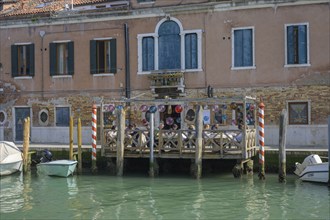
(164, 81)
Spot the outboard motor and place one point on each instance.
(311, 159)
(47, 156)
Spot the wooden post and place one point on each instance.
(261, 141)
(26, 145)
(151, 145)
(79, 146)
(71, 138)
(329, 151)
(199, 142)
(282, 145)
(102, 130)
(120, 141)
(94, 133)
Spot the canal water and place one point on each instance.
(217, 196)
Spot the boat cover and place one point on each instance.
(9, 152)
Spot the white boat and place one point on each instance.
(62, 168)
(313, 169)
(11, 159)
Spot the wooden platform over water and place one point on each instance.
(217, 144)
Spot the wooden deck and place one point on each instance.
(217, 144)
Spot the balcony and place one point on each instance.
(169, 84)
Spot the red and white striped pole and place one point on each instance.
(261, 140)
(94, 127)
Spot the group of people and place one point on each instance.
(133, 135)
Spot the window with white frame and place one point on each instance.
(61, 58)
(22, 59)
(103, 57)
(297, 50)
(299, 112)
(62, 116)
(146, 1)
(170, 48)
(243, 48)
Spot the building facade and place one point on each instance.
(58, 59)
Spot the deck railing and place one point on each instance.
(230, 144)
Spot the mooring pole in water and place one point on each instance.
(282, 147)
(261, 141)
(329, 151)
(79, 146)
(151, 145)
(102, 136)
(199, 142)
(26, 145)
(120, 141)
(94, 127)
(71, 138)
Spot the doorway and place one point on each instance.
(20, 115)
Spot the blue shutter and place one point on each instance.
(169, 46)
(113, 56)
(247, 48)
(31, 59)
(52, 59)
(191, 51)
(290, 44)
(92, 56)
(243, 48)
(238, 48)
(62, 116)
(302, 44)
(14, 61)
(148, 52)
(70, 58)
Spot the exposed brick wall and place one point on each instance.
(274, 98)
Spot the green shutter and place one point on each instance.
(52, 58)
(14, 61)
(93, 57)
(113, 55)
(32, 60)
(71, 58)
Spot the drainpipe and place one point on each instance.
(127, 71)
(127, 66)
(42, 34)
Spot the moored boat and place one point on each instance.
(11, 159)
(313, 169)
(62, 168)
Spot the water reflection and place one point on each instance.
(199, 201)
(107, 197)
(11, 190)
(72, 186)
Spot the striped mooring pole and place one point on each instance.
(261, 141)
(94, 126)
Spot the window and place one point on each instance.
(22, 60)
(62, 116)
(170, 48)
(148, 50)
(103, 56)
(299, 113)
(191, 51)
(243, 48)
(146, 1)
(3, 117)
(61, 58)
(297, 44)
(43, 117)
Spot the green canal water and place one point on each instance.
(217, 196)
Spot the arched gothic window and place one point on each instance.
(170, 48)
